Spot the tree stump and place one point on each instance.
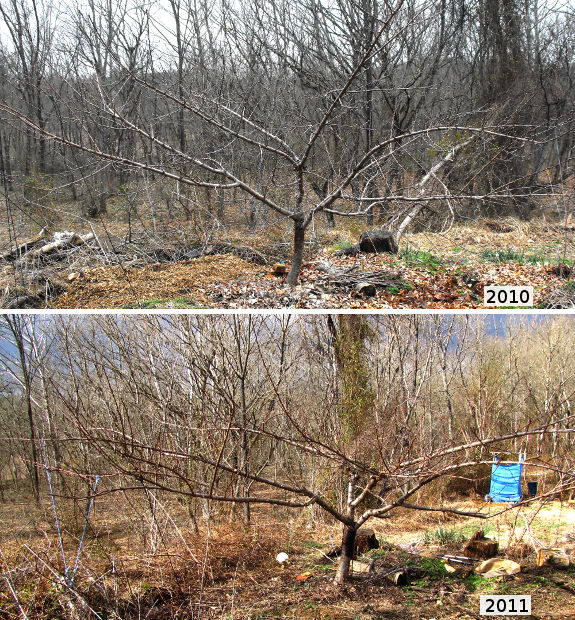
(376, 241)
(366, 289)
(480, 547)
(364, 541)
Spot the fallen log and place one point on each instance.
(398, 575)
(63, 242)
(25, 247)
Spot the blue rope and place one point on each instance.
(85, 526)
(54, 506)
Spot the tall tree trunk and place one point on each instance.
(16, 326)
(346, 557)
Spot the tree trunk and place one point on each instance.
(16, 325)
(348, 538)
(5, 161)
(221, 204)
(298, 246)
(347, 546)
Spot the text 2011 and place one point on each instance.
(509, 605)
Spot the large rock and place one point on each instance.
(376, 241)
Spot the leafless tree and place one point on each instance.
(282, 103)
(241, 411)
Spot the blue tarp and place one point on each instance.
(505, 482)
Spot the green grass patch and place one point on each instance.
(420, 257)
(468, 530)
(395, 289)
(435, 568)
(443, 536)
(312, 544)
(510, 255)
(177, 304)
(342, 245)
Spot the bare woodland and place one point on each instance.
(404, 114)
(346, 416)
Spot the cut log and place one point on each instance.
(60, 243)
(399, 578)
(480, 547)
(553, 557)
(559, 560)
(398, 575)
(378, 241)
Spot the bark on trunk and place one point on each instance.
(298, 245)
(330, 220)
(347, 547)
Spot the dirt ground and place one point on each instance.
(132, 566)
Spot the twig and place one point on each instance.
(13, 592)
(61, 581)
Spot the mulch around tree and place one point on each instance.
(228, 282)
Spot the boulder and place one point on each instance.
(376, 241)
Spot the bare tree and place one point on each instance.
(21, 369)
(257, 123)
(203, 408)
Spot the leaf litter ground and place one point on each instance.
(232, 283)
(433, 271)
